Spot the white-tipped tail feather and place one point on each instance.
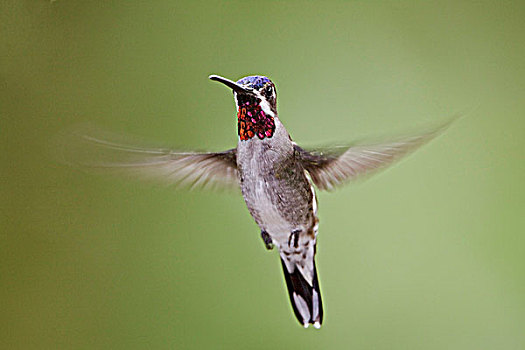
(304, 296)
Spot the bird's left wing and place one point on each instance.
(206, 170)
(332, 167)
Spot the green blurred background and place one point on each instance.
(429, 254)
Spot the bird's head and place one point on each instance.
(256, 101)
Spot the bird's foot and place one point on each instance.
(267, 240)
(295, 237)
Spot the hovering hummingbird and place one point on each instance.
(277, 179)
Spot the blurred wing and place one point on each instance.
(334, 166)
(205, 170)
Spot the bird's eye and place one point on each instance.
(268, 90)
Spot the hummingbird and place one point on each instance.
(276, 177)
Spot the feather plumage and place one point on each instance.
(206, 170)
(332, 167)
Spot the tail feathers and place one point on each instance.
(305, 297)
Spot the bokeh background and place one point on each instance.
(429, 254)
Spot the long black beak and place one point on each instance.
(231, 84)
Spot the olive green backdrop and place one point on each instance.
(429, 254)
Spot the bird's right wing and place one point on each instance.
(332, 167)
(92, 150)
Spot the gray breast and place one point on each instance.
(274, 185)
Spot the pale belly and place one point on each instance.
(260, 200)
(278, 205)
(274, 185)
